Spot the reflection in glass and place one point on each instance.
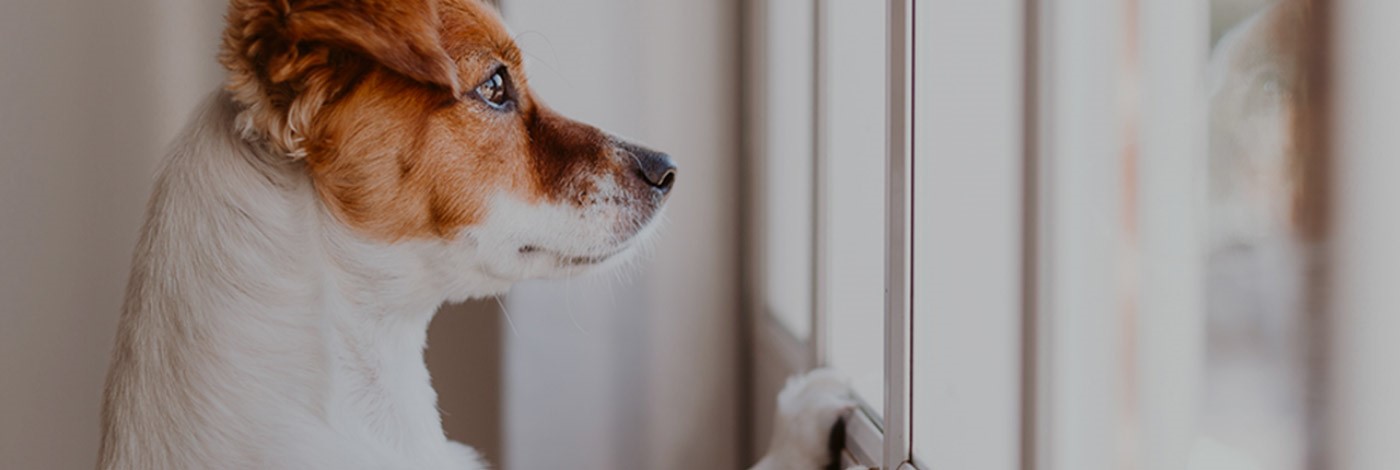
(1254, 398)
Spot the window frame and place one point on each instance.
(767, 334)
(870, 441)
(899, 233)
(1066, 55)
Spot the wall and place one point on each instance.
(637, 369)
(89, 93)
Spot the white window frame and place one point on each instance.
(778, 352)
(868, 442)
(899, 233)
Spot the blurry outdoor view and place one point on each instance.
(1255, 412)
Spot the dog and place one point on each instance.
(366, 161)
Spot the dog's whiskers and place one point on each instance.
(507, 315)
(612, 293)
(550, 65)
(569, 304)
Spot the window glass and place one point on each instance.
(788, 187)
(1253, 409)
(853, 100)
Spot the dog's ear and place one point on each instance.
(288, 58)
(285, 38)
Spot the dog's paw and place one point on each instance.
(808, 408)
(811, 404)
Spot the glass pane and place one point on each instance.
(789, 163)
(854, 136)
(1254, 413)
(967, 234)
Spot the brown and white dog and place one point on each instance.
(369, 160)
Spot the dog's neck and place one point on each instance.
(249, 307)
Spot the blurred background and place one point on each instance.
(773, 255)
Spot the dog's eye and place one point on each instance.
(495, 91)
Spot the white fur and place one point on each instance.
(808, 407)
(259, 332)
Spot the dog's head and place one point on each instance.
(415, 122)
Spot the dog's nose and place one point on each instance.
(657, 169)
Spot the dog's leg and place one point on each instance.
(808, 408)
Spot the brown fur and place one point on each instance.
(368, 93)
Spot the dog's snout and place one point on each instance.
(657, 169)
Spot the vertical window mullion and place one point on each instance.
(819, 341)
(1080, 374)
(1033, 321)
(899, 232)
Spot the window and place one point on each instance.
(969, 184)
(787, 189)
(852, 130)
(1084, 234)
(1253, 409)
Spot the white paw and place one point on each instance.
(808, 407)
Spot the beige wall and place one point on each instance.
(89, 93)
(638, 370)
(465, 348)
